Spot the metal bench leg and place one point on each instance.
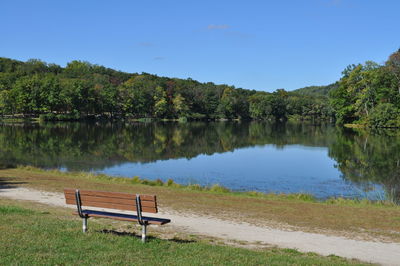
(84, 224)
(144, 231)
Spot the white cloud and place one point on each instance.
(218, 27)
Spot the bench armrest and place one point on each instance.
(79, 204)
(139, 210)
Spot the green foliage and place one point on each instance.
(260, 106)
(384, 115)
(369, 94)
(316, 90)
(83, 90)
(180, 107)
(160, 103)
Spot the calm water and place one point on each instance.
(321, 160)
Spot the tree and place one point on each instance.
(160, 103)
(226, 105)
(278, 104)
(109, 100)
(135, 98)
(7, 102)
(260, 106)
(385, 115)
(28, 95)
(181, 109)
(77, 68)
(393, 65)
(51, 90)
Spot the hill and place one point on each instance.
(317, 90)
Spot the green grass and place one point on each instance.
(4, 210)
(36, 237)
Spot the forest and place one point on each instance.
(367, 94)
(82, 90)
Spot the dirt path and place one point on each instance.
(368, 251)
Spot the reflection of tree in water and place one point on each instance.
(82, 146)
(363, 158)
(366, 158)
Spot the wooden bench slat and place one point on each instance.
(132, 202)
(119, 195)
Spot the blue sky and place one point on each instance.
(261, 45)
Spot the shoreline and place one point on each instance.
(215, 188)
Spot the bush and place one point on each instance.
(170, 183)
(47, 117)
(159, 182)
(182, 119)
(220, 189)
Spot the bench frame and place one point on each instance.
(85, 217)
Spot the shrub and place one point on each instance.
(47, 117)
(170, 183)
(159, 182)
(182, 119)
(218, 188)
(136, 180)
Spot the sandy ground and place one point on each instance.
(368, 251)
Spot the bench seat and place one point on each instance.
(124, 217)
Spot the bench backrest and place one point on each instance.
(111, 200)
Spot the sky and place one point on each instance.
(261, 45)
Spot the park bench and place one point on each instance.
(117, 201)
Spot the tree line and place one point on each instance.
(83, 90)
(367, 94)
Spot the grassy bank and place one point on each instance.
(344, 217)
(31, 234)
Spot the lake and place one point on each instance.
(322, 160)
